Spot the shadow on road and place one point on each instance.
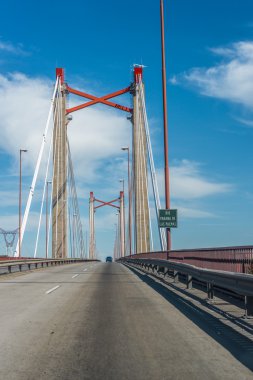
(237, 344)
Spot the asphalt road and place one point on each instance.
(102, 321)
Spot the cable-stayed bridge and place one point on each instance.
(154, 312)
(64, 232)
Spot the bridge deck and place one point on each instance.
(101, 321)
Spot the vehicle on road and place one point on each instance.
(108, 259)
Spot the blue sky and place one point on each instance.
(210, 76)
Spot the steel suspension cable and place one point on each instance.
(143, 143)
(56, 132)
(153, 174)
(77, 224)
(37, 167)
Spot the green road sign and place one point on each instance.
(168, 218)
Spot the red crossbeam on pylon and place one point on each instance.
(96, 100)
(106, 203)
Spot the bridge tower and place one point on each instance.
(120, 209)
(140, 173)
(59, 204)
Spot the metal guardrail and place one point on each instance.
(239, 283)
(231, 259)
(37, 263)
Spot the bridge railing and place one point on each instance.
(29, 264)
(239, 283)
(231, 259)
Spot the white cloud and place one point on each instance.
(8, 47)
(25, 103)
(247, 123)
(96, 136)
(186, 212)
(189, 187)
(230, 80)
(9, 197)
(187, 182)
(173, 80)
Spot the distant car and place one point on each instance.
(108, 259)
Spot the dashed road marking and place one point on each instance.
(52, 290)
(75, 275)
(84, 270)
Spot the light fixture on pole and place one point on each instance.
(129, 202)
(48, 182)
(20, 201)
(123, 182)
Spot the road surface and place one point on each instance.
(102, 321)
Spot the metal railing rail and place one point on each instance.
(239, 283)
(231, 259)
(38, 263)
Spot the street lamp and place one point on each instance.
(20, 199)
(48, 182)
(118, 245)
(165, 125)
(123, 182)
(129, 201)
(74, 235)
(115, 242)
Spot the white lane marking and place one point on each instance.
(84, 270)
(52, 290)
(75, 275)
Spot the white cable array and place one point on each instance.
(77, 230)
(143, 169)
(55, 115)
(43, 196)
(56, 131)
(37, 167)
(162, 234)
(59, 122)
(143, 140)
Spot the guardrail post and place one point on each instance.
(9, 268)
(20, 267)
(175, 275)
(189, 281)
(248, 306)
(210, 291)
(29, 266)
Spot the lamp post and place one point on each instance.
(74, 235)
(165, 125)
(48, 182)
(20, 200)
(118, 251)
(115, 242)
(86, 243)
(129, 202)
